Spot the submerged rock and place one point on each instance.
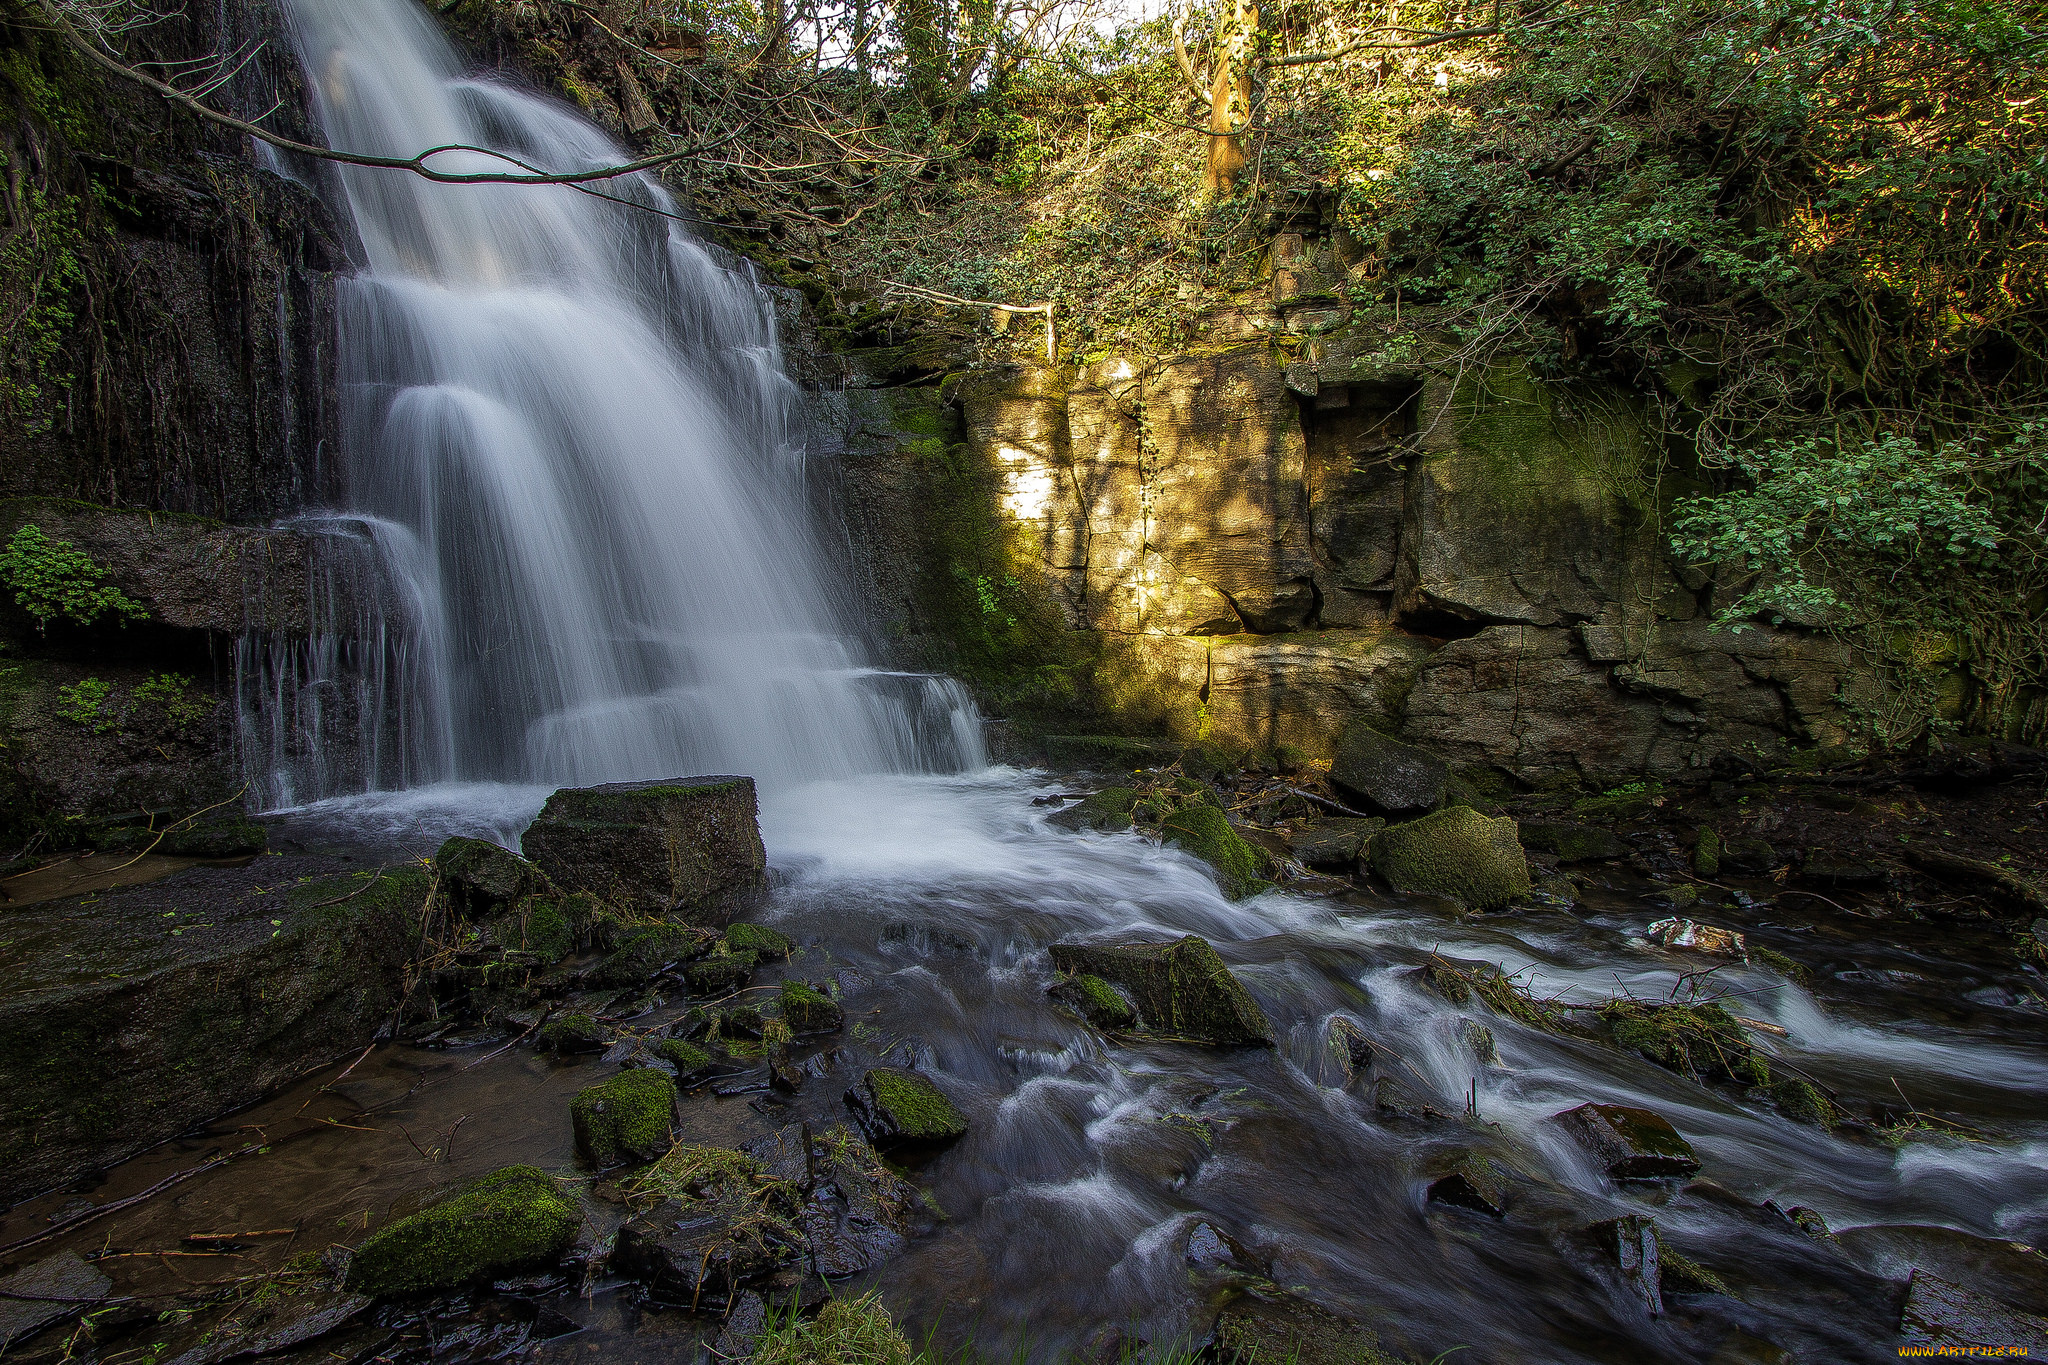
(1631, 1243)
(1095, 1000)
(1348, 1045)
(1628, 1142)
(1211, 1249)
(1107, 811)
(1471, 1184)
(628, 1117)
(1387, 775)
(48, 1292)
(689, 847)
(1180, 988)
(1204, 830)
(517, 1218)
(898, 1108)
(1457, 852)
(292, 1321)
(1333, 843)
(1957, 1321)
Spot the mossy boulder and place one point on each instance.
(719, 974)
(1181, 988)
(1203, 830)
(767, 945)
(1458, 853)
(1706, 854)
(644, 952)
(688, 848)
(514, 1219)
(1386, 775)
(1333, 843)
(479, 876)
(808, 1010)
(689, 1060)
(1095, 1000)
(1628, 1142)
(539, 927)
(630, 1117)
(575, 1033)
(1107, 811)
(1572, 843)
(1279, 1329)
(898, 1108)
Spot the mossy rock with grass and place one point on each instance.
(1456, 853)
(1105, 812)
(844, 1332)
(719, 974)
(537, 926)
(575, 1033)
(897, 1108)
(1181, 989)
(481, 876)
(689, 1060)
(808, 1010)
(1279, 1329)
(630, 1117)
(1203, 830)
(767, 945)
(644, 952)
(1702, 1041)
(1095, 1000)
(518, 1218)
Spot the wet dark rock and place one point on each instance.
(1680, 897)
(1107, 811)
(1209, 1248)
(1333, 843)
(631, 1116)
(1810, 1222)
(1471, 1184)
(1680, 1274)
(644, 953)
(1749, 855)
(689, 848)
(897, 1108)
(1395, 1097)
(1095, 1000)
(48, 1292)
(1457, 853)
(1631, 1244)
(1206, 832)
(1348, 1044)
(294, 1322)
(742, 1327)
(767, 945)
(480, 877)
(1181, 989)
(702, 1250)
(807, 1010)
(232, 837)
(1629, 1143)
(1830, 868)
(1572, 843)
(1386, 775)
(689, 1060)
(1944, 1315)
(574, 1033)
(783, 1072)
(514, 1219)
(719, 974)
(741, 1021)
(858, 1213)
(1261, 1329)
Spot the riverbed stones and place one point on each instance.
(630, 1117)
(1456, 853)
(899, 1109)
(1338, 843)
(688, 847)
(1348, 1045)
(1181, 988)
(517, 1218)
(1205, 831)
(1955, 1321)
(1386, 775)
(48, 1292)
(1628, 1142)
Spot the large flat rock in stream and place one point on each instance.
(688, 847)
(130, 1016)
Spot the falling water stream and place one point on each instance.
(572, 444)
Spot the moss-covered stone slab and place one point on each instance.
(1386, 775)
(1572, 843)
(645, 952)
(1105, 812)
(630, 1117)
(897, 1109)
(518, 1218)
(1204, 830)
(808, 1010)
(1335, 844)
(688, 848)
(1095, 1000)
(689, 1060)
(719, 974)
(1628, 1142)
(1457, 853)
(768, 945)
(480, 876)
(1181, 988)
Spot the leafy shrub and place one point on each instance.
(53, 580)
(84, 704)
(173, 694)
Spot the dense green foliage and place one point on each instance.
(52, 580)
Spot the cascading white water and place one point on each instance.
(579, 425)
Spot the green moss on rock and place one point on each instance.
(1181, 988)
(1107, 811)
(1096, 1001)
(517, 1218)
(719, 974)
(764, 943)
(644, 952)
(687, 1058)
(1203, 830)
(806, 1009)
(629, 1117)
(899, 1108)
(542, 928)
(1706, 854)
(1455, 852)
(482, 876)
(575, 1033)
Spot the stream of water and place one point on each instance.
(572, 443)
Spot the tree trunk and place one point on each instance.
(1230, 97)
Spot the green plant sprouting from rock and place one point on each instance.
(53, 580)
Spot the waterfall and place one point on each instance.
(571, 437)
